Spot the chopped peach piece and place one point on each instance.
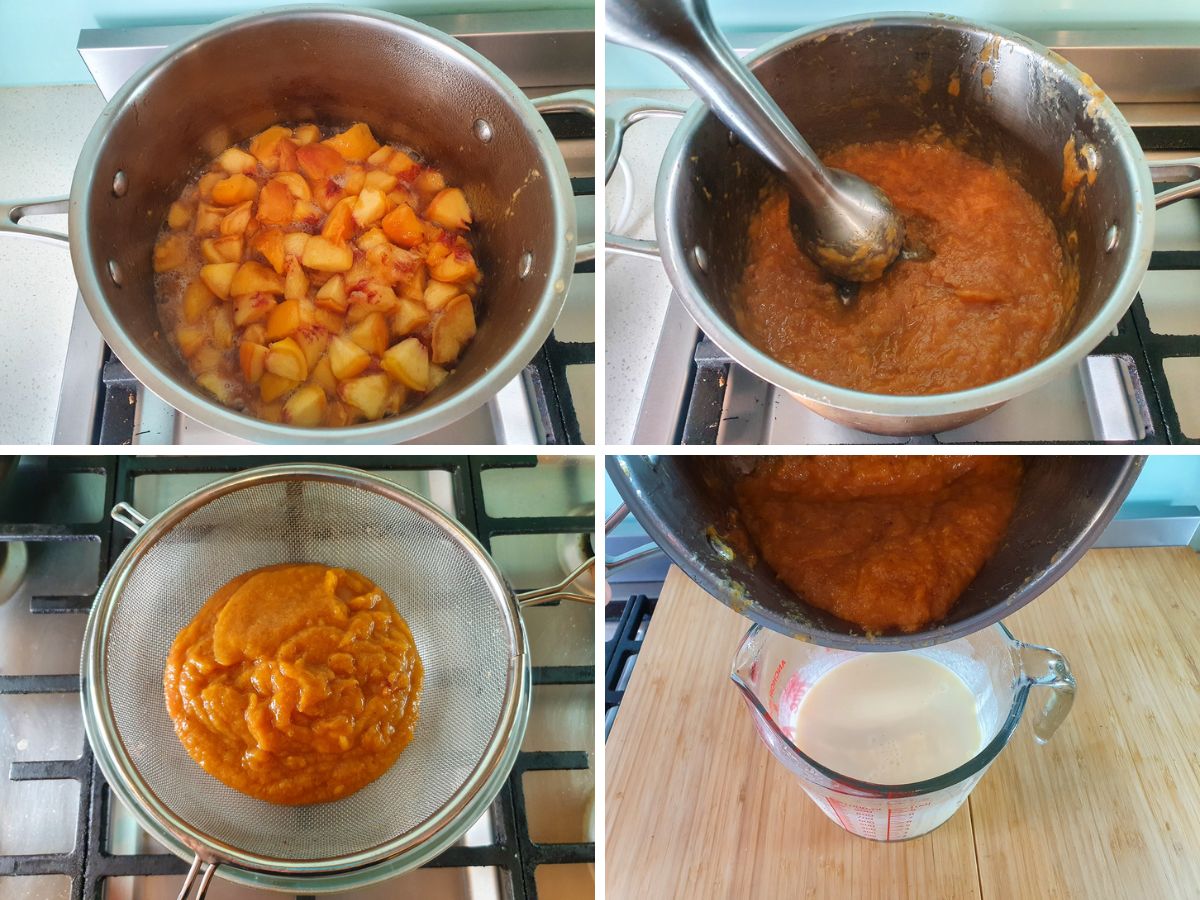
(320, 162)
(354, 179)
(236, 161)
(252, 308)
(221, 326)
(438, 294)
(225, 249)
(332, 295)
(327, 193)
(371, 238)
(209, 252)
(204, 187)
(409, 317)
(221, 388)
(306, 134)
(276, 203)
(254, 278)
(393, 264)
(218, 278)
(321, 374)
(306, 407)
(346, 358)
(237, 219)
(368, 394)
(369, 207)
(170, 252)
(208, 219)
(287, 360)
(450, 210)
(429, 182)
(255, 333)
(403, 227)
(380, 157)
(294, 243)
(339, 226)
(306, 212)
(179, 215)
(337, 415)
(356, 143)
(253, 359)
(287, 155)
(265, 145)
(371, 334)
(234, 190)
(372, 297)
(190, 339)
(269, 243)
(455, 268)
(402, 164)
(295, 282)
(197, 300)
(332, 322)
(284, 319)
(452, 330)
(408, 363)
(295, 184)
(313, 340)
(272, 387)
(325, 256)
(436, 375)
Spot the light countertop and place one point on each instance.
(45, 130)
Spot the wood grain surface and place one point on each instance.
(1110, 808)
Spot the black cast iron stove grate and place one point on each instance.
(90, 864)
(627, 620)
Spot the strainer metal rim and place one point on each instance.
(371, 864)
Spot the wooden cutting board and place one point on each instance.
(698, 807)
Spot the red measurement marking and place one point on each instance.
(793, 693)
(837, 812)
(754, 672)
(771, 693)
(888, 837)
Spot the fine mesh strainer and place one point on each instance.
(464, 619)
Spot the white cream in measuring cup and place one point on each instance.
(889, 718)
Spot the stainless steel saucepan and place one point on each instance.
(890, 77)
(328, 64)
(1064, 505)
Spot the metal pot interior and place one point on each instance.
(332, 67)
(684, 504)
(892, 78)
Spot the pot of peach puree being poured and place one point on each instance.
(889, 745)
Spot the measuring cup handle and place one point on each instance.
(1056, 675)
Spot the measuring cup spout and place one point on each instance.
(1045, 667)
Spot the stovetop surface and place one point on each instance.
(62, 833)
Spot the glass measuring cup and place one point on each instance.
(774, 672)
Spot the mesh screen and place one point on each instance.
(458, 621)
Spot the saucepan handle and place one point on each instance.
(199, 870)
(1173, 172)
(583, 103)
(11, 215)
(618, 116)
(560, 591)
(1048, 668)
(646, 550)
(129, 517)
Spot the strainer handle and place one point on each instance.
(559, 591)
(1056, 675)
(204, 871)
(129, 517)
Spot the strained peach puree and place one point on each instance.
(295, 684)
(885, 542)
(980, 292)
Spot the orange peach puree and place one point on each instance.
(885, 542)
(982, 293)
(295, 684)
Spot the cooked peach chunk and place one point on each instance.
(326, 256)
(305, 212)
(254, 277)
(403, 227)
(306, 407)
(401, 164)
(455, 268)
(218, 277)
(197, 301)
(284, 319)
(208, 219)
(170, 253)
(331, 321)
(255, 333)
(313, 340)
(252, 308)
(265, 145)
(371, 334)
(369, 207)
(287, 360)
(353, 179)
(236, 161)
(179, 215)
(436, 375)
(337, 415)
(271, 386)
(269, 243)
(207, 182)
(253, 359)
(234, 190)
(452, 330)
(320, 162)
(380, 157)
(221, 326)
(393, 265)
(450, 210)
(295, 184)
(306, 134)
(408, 363)
(294, 243)
(332, 295)
(190, 338)
(221, 388)
(346, 358)
(237, 219)
(438, 294)
(429, 182)
(295, 282)
(276, 203)
(356, 143)
(380, 181)
(224, 249)
(206, 359)
(372, 238)
(327, 193)
(287, 155)
(368, 394)
(321, 374)
(339, 226)
(409, 317)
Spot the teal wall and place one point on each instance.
(38, 37)
(631, 69)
